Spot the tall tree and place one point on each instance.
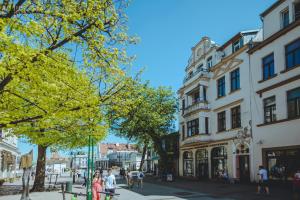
(150, 116)
(44, 46)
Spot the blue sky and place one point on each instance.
(169, 28)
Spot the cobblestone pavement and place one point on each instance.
(178, 190)
(149, 192)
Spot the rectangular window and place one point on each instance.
(285, 18)
(200, 67)
(196, 97)
(222, 121)
(270, 109)
(236, 117)
(193, 127)
(297, 10)
(183, 132)
(209, 62)
(221, 86)
(235, 46)
(204, 93)
(292, 54)
(268, 66)
(206, 125)
(235, 80)
(183, 106)
(293, 103)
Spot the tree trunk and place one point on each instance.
(163, 158)
(143, 156)
(39, 181)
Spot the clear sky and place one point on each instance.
(169, 28)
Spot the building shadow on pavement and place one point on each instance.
(195, 189)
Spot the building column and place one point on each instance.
(201, 92)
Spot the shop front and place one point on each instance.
(202, 164)
(282, 163)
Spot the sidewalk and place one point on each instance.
(218, 190)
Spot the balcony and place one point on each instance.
(201, 71)
(196, 106)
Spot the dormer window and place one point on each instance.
(209, 62)
(237, 45)
(285, 18)
(297, 10)
(199, 68)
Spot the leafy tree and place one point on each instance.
(150, 116)
(59, 69)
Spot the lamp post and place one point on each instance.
(90, 167)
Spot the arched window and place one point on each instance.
(202, 163)
(218, 161)
(188, 163)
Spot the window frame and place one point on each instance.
(268, 65)
(223, 85)
(273, 117)
(209, 62)
(292, 52)
(206, 125)
(221, 121)
(193, 127)
(282, 17)
(236, 117)
(296, 102)
(235, 80)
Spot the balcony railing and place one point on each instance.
(199, 105)
(201, 71)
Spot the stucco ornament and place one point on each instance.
(242, 135)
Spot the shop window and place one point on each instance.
(282, 164)
(202, 163)
(188, 163)
(218, 161)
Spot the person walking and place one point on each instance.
(296, 185)
(97, 185)
(263, 182)
(110, 183)
(140, 179)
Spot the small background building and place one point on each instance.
(9, 154)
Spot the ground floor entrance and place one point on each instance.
(243, 168)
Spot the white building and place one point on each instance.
(275, 89)
(217, 109)
(240, 103)
(9, 154)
